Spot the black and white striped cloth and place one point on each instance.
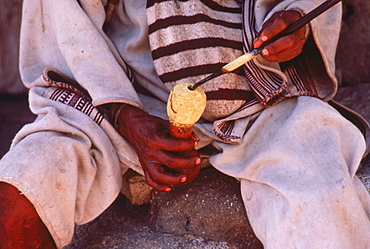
(191, 39)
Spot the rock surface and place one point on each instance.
(353, 54)
(210, 207)
(126, 226)
(10, 21)
(357, 98)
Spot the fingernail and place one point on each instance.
(167, 189)
(195, 144)
(265, 51)
(183, 179)
(197, 161)
(263, 38)
(257, 43)
(195, 137)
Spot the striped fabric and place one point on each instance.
(192, 39)
(269, 87)
(65, 90)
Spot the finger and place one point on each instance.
(190, 174)
(282, 44)
(180, 161)
(159, 179)
(157, 186)
(276, 24)
(185, 164)
(284, 47)
(273, 29)
(168, 143)
(283, 56)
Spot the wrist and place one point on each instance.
(111, 112)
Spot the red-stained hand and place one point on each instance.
(166, 161)
(287, 47)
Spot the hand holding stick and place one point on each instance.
(256, 51)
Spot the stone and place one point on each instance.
(124, 225)
(353, 54)
(14, 114)
(10, 22)
(364, 173)
(210, 207)
(135, 188)
(357, 98)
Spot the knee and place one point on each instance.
(20, 225)
(13, 203)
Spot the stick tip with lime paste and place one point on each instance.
(184, 109)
